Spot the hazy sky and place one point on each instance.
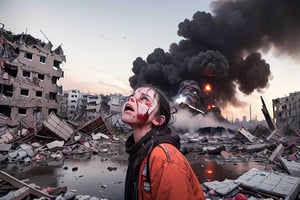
(101, 39)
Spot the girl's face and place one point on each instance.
(141, 108)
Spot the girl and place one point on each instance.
(156, 169)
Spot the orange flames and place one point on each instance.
(207, 87)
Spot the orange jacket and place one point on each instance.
(171, 176)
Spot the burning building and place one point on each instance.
(222, 51)
(29, 72)
(198, 100)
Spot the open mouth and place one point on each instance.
(128, 107)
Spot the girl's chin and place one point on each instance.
(129, 121)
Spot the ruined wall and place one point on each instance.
(287, 110)
(29, 73)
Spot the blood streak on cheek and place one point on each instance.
(143, 111)
(143, 117)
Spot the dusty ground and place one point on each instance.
(102, 175)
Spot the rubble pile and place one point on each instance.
(55, 141)
(276, 150)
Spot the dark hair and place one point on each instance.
(164, 107)
(163, 103)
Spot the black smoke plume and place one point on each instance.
(224, 48)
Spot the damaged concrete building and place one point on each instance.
(78, 105)
(29, 74)
(286, 111)
(69, 104)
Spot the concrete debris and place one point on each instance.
(291, 166)
(256, 184)
(58, 126)
(98, 136)
(277, 153)
(245, 136)
(55, 143)
(22, 190)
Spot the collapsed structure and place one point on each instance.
(29, 72)
(287, 110)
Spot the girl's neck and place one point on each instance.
(140, 131)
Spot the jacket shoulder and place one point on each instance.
(166, 152)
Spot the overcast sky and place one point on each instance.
(101, 39)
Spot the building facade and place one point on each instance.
(78, 105)
(286, 110)
(29, 74)
(116, 102)
(93, 106)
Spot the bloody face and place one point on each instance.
(141, 107)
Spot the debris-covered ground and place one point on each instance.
(256, 163)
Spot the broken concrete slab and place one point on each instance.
(222, 187)
(55, 144)
(58, 126)
(273, 183)
(5, 147)
(292, 167)
(99, 124)
(245, 136)
(277, 153)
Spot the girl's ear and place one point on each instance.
(159, 120)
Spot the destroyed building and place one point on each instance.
(93, 105)
(29, 74)
(69, 104)
(286, 110)
(116, 102)
(77, 105)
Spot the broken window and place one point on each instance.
(43, 59)
(54, 79)
(93, 103)
(24, 92)
(56, 63)
(29, 56)
(22, 111)
(284, 107)
(7, 90)
(38, 93)
(52, 96)
(5, 110)
(52, 110)
(41, 76)
(11, 70)
(26, 74)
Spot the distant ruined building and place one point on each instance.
(29, 72)
(78, 106)
(287, 111)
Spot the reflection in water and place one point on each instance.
(210, 170)
(90, 175)
(87, 176)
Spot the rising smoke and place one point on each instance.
(224, 48)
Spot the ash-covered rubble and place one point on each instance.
(24, 147)
(204, 135)
(274, 148)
